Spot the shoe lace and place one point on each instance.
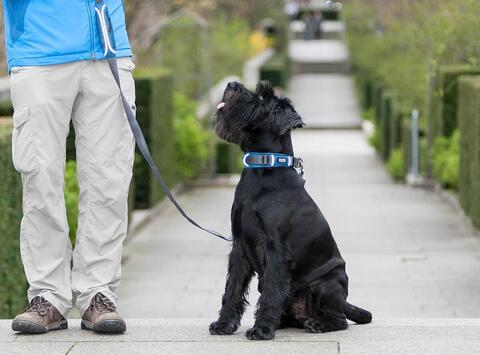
(101, 303)
(39, 305)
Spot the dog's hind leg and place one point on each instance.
(327, 308)
(275, 288)
(234, 301)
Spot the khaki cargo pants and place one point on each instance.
(45, 99)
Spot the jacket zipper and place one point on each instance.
(92, 43)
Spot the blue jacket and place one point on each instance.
(44, 32)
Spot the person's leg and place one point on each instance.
(43, 99)
(105, 150)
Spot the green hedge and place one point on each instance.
(445, 160)
(13, 284)
(377, 100)
(6, 109)
(154, 90)
(193, 141)
(330, 15)
(276, 70)
(228, 158)
(384, 122)
(444, 100)
(469, 126)
(367, 93)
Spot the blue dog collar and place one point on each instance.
(254, 160)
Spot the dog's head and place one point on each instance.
(243, 115)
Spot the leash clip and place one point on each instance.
(298, 165)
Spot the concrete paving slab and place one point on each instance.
(330, 29)
(209, 348)
(394, 336)
(318, 51)
(37, 348)
(325, 101)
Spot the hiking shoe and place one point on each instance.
(101, 316)
(39, 317)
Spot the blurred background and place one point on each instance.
(390, 92)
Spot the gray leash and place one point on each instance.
(143, 147)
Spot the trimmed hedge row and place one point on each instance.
(228, 158)
(13, 284)
(154, 90)
(392, 127)
(327, 14)
(444, 100)
(276, 70)
(469, 125)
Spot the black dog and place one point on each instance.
(279, 232)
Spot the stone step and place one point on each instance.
(190, 336)
(325, 101)
(330, 29)
(319, 56)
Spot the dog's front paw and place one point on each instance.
(260, 333)
(223, 328)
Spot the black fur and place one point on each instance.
(279, 232)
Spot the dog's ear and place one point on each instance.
(265, 90)
(284, 118)
(288, 121)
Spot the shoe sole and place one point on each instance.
(105, 326)
(24, 326)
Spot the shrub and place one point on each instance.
(228, 158)
(469, 126)
(395, 164)
(445, 157)
(374, 139)
(199, 57)
(276, 71)
(192, 141)
(368, 114)
(71, 198)
(401, 44)
(13, 284)
(444, 101)
(154, 88)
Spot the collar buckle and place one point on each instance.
(298, 165)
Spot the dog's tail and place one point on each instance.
(357, 315)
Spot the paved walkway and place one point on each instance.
(409, 254)
(180, 336)
(325, 100)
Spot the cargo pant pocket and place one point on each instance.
(24, 150)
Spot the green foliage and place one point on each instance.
(444, 100)
(192, 141)
(229, 158)
(445, 157)
(276, 71)
(368, 114)
(469, 126)
(230, 46)
(385, 121)
(6, 109)
(13, 284)
(403, 43)
(395, 164)
(374, 139)
(71, 198)
(154, 102)
(191, 52)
